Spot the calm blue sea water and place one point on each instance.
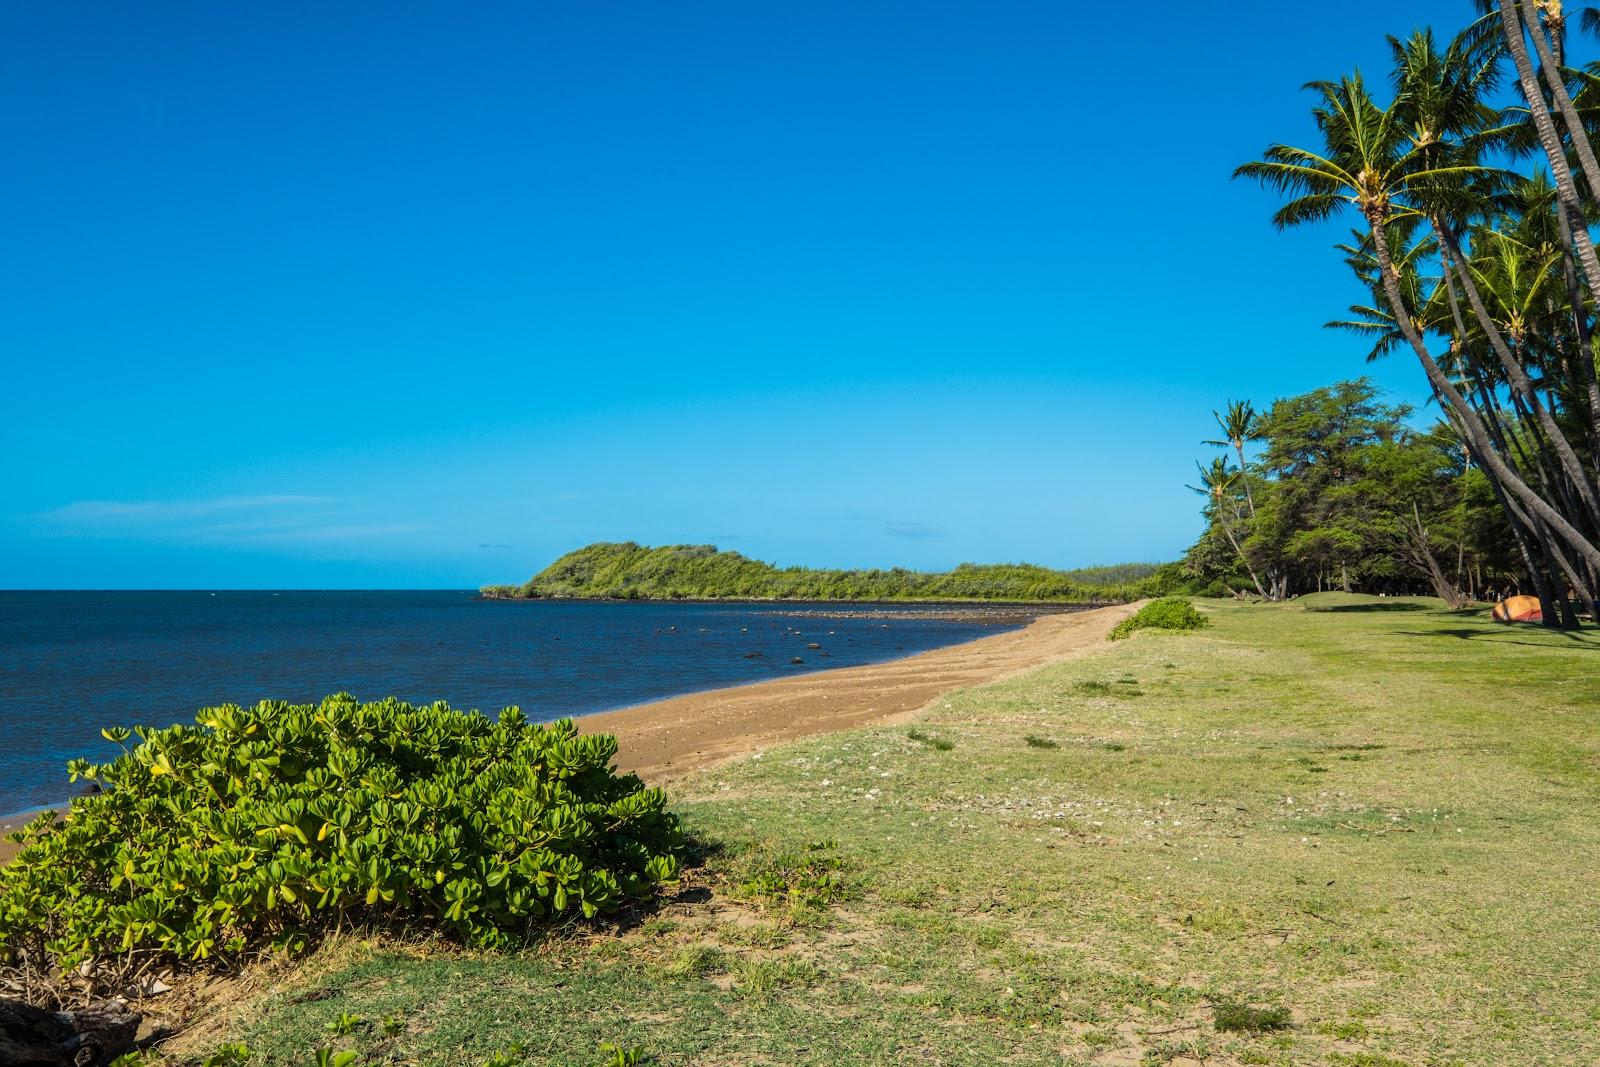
(73, 662)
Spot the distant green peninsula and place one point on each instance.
(629, 571)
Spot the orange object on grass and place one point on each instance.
(1519, 609)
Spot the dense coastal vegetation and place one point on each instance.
(1478, 262)
(629, 571)
(264, 829)
(1335, 489)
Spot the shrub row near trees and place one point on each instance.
(259, 828)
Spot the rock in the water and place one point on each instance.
(797, 659)
(813, 645)
(92, 1037)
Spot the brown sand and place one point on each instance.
(673, 737)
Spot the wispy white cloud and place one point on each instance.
(167, 511)
(261, 519)
(916, 531)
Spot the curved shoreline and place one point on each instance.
(666, 739)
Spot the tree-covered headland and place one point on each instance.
(628, 571)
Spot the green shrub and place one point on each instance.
(1244, 1019)
(809, 878)
(260, 828)
(942, 744)
(1168, 613)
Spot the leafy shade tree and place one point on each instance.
(1348, 496)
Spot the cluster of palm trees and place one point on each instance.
(1475, 178)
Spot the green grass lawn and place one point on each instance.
(1358, 835)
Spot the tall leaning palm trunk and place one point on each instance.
(1516, 375)
(1552, 59)
(1550, 141)
(1493, 463)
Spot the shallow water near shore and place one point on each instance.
(74, 662)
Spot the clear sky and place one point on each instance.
(321, 295)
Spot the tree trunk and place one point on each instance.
(1521, 386)
(1550, 67)
(93, 1037)
(1422, 555)
(1583, 368)
(1242, 558)
(1550, 141)
(1244, 476)
(1488, 459)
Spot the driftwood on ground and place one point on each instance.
(92, 1037)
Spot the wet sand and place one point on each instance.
(670, 738)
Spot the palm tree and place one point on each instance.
(1238, 426)
(1369, 161)
(1514, 23)
(1375, 322)
(1440, 95)
(1217, 485)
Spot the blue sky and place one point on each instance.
(427, 294)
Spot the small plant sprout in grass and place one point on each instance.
(393, 1026)
(943, 744)
(697, 961)
(230, 1054)
(623, 1055)
(327, 1057)
(1035, 741)
(1242, 1018)
(1168, 613)
(806, 880)
(759, 979)
(343, 1025)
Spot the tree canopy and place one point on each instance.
(1476, 250)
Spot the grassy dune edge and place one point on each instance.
(1349, 837)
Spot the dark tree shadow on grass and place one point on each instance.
(1499, 635)
(1395, 606)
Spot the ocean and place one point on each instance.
(74, 662)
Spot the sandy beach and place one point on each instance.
(673, 737)
(667, 739)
